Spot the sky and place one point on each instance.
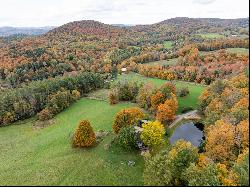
(38, 13)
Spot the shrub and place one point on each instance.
(84, 135)
(144, 94)
(127, 137)
(113, 97)
(127, 117)
(183, 92)
(58, 102)
(152, 134)
(8, 117)
(127, 91)
(76, 95)
(45, 114)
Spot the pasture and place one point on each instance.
(189, 100)
(33, 156)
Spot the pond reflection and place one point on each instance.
(188, 131)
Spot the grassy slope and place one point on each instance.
(190, 100)
(238, 51)
(168, 44)
(211, 35)
(44, 157)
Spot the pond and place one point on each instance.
(188, 131)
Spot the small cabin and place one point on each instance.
(124, 70)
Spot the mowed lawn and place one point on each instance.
(187, 101)
(31, 156)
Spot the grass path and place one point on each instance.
(32, 156)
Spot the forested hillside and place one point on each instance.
(89, 103)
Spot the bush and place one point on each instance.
(58, 102)
(8, 117)
(45, 114)
(183, 92)
(127, 91)
(84, 135)
(76, 95)
(144, 94)
(127, 117)
(113, 97)
(152, 134)
(127, 138)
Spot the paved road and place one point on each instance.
(181, 116)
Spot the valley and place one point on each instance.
(88, 103)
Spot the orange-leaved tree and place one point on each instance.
(84, 135)
(220, 142)
(167, 112)
(125, 117)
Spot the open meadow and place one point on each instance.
(32, 155)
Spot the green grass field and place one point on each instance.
(189, 100)
(240, 51)
(172, 61)
(31, 156)
(211, 35)
(168, 44)
(44, 156)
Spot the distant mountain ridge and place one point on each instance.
(9, 31)
(98, 28)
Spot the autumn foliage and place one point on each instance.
(113, 97)
(220, 142)
(156, 100)
(167, 111)
(84, 135)
(166, 91)
(153, 134)
(126, 117)
(143, 98)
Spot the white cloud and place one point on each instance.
(58, 12)
(203, 1)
